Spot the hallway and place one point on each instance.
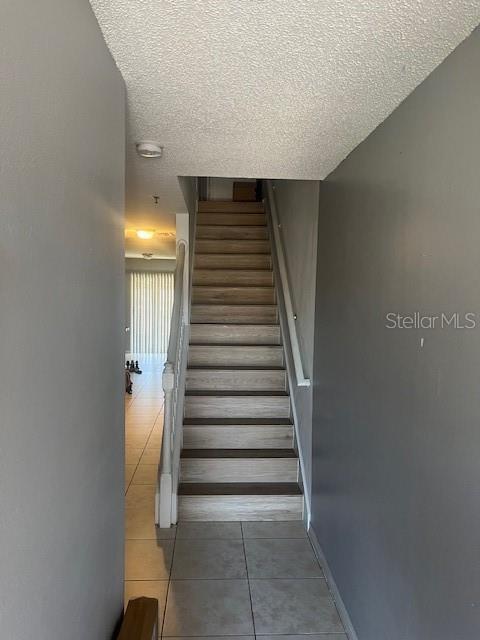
(214, 579)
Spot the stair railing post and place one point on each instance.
(163, 509)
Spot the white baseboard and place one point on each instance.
(332, 586)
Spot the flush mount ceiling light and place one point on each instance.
(149, 149)
(145, 234)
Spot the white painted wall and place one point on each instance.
(297, 206)
(61, 324)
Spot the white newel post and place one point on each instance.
(165, 485)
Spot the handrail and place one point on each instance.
(291, 317)
(172, 378)
(177, 303)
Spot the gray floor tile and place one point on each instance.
(311, 636)
(293, 529)
(208, 608)
(203, 559)
(224, 638)
(209, 530)
(293, 607)
(281, 559)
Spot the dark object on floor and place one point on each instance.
(128, 382)
(127, 365)
(137, 368)
(141, 620)
(132, 367)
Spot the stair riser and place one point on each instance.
(235, 356)
(234, 470)
(228, 206)
(234, 314)
(232, 246)
(256, 407)
(234, 334)
(237, 437)
(228, 232)
(233, 295)
(233, 261)
(219, 277)
(239, 508)
(232, 219)
(239, 380)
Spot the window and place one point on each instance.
(151, 301)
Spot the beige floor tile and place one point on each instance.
(145, 474)
(146, 405)
(146, 416)
(136, 440)
(148, 559)
(132, 454)
(149, 589)
(138, 430)
(140, 495)
(140, 525)
(155, 440)
(139, 422)
(140, 407)
(129, 471)
(136, 435)
(151, 455)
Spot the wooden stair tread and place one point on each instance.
(232, 325)
(240, 261)
(248, 314)
(231, 232)
(262, 324)
(229, 206)
(233, 278)
(234, 286)
(238, 453)
(217, 367)
(237, 394)
(236, 344)
(231, 219)
(239, 489)
(238, 254)
(235, 247)
(244, 422)
(230, 304)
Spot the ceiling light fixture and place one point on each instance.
(145, 234)
(149, 149)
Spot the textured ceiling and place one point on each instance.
(265, 88)
(162, 245)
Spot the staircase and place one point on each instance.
(238, 460)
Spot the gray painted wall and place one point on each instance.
(61, 294)
(297, 206)
(396, 471)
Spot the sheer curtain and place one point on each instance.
(151, 301)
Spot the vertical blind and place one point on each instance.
(151, 302)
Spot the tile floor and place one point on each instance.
(215, 580)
